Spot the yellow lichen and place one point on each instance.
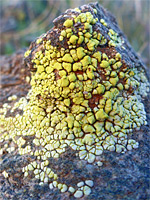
(67, 66)
(101, 115)
(79, 98)
(67, 58)
(73, 39)
(68, 23)
(27, 53)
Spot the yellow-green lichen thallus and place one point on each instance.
(79, 97)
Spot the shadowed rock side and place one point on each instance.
(82, 129)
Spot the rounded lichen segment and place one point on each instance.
(80, 97)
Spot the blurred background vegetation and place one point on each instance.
(23, 20)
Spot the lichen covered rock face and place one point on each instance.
(83, 95)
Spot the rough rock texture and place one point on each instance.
(122, 176)
(13, 79)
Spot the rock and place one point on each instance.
(43, 136)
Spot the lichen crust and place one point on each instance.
(81, 96)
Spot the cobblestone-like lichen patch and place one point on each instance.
(80, 97)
